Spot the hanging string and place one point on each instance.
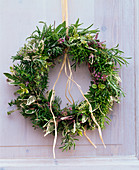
(64, 4)
(89, 139)
(66, 59)
(64, 18)
(52, 98)
(90, 107)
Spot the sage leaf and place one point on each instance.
(50, 127)
(84, 118)
(30, 100)
(74, 127)
(30, 111)
(118, 77)
(27, 58)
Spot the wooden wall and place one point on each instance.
(115, 19)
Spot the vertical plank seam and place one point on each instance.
(135, 81)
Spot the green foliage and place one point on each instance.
(31, 76)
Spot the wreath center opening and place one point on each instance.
(81, 76)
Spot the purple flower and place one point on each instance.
(27, 83)
(100, 44)
(91, 56)
(96, 36)
(70, 108)
(96, 75)
(61, 40)
(104, 77)
(94, 71)
(67, 37)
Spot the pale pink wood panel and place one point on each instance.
(115, 19)
(82, 150)
(18, 19)
(137, 73)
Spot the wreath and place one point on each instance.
(31, 72)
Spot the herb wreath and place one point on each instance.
(31, 76)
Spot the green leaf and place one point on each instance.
(84, 119)
(90, 48)
(50, 127)
(30, 111)
(31, 100)
(74, 128)
(15, 83)
(58, 28)
(94, 86)
(83, 105)
(80, 132)
(27, 58)
(10, 112)
(47, 94)
(8, 75)
(88, 27)
(101, 86)
(77, 22)
(118, 77)
(50, 94)
(26, 91)
(22, 85)
(20, 91)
